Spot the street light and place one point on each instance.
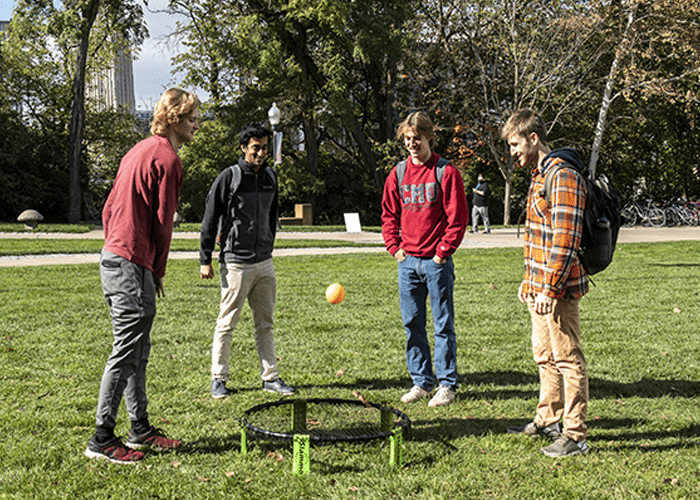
(274, 115)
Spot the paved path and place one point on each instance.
(498, 238)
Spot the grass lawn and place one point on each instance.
(640, 335)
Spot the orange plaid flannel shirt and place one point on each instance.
(553, 234)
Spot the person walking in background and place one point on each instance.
(138, 226)
(480, 205)
(424, 218)
(554, 281)
(241, 213)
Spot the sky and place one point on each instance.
(152, 68)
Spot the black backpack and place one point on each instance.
(601, 219)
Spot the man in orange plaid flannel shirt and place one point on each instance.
(554, 281)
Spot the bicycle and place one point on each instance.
(634, 213)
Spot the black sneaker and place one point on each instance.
(114, 451)
(154, 439)
(278, 386)
(532, 429)
(219, 389)
(565, 447)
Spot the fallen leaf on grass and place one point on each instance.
(203, 479)
(359, 396)
(619, 401)
(493, 287)
(340, 373)
(354, 488)
(676, 310)
(176, 463)
(229, 473)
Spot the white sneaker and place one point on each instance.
(414, 395)
(443, 396)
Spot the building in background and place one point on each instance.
(113, 88)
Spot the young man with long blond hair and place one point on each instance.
(138, 225)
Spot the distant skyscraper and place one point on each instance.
(113, 88)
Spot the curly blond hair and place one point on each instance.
(173, 106)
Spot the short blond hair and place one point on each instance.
(523, 123)
(417, 122)
(173, 106)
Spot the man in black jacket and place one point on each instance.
(241, 214)
(480, 205)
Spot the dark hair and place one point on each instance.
(253, 130)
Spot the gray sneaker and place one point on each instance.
(219, 390)
(532, 429)
(443, 396)
(416, 393)
(565, 447)
(278, 386)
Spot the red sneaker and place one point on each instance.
(154, 438)
(114, 451)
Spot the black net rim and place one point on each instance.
(404, 422)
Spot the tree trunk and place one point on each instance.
(607, 94)
(77, 121)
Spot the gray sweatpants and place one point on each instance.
(131, 295)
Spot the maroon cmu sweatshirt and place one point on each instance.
(420, 218)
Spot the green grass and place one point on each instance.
(643, 359)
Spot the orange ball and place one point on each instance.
(335, 293)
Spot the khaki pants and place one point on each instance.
(257, 283)
(556, 346)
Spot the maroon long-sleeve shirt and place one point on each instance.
(420, 218)
(138, 214)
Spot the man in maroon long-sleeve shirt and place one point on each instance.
(138, 225)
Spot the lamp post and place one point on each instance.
(274, 116)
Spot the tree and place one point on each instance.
(656, 46)
(124, 20)
(504, 55)
(331, 67)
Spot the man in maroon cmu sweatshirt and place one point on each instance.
(424, 219)
(138, 226)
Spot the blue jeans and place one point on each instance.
(418, 279)
(131, 295)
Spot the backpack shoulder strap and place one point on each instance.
(549, 178)
(440, 169)
(400, 172)
(237, 174)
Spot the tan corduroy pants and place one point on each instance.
(556, 346)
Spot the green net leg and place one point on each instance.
(299, 416)
(244, 440)
(387, 420)
(396, 448)
(302, 449)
